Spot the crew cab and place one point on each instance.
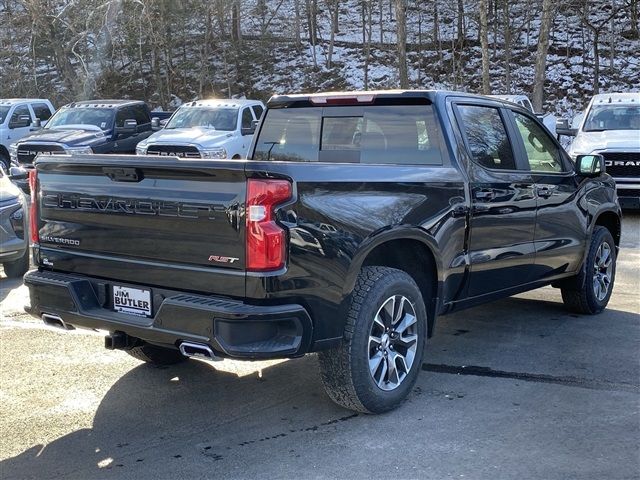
(206, 129)
(358, 219)
(610, 127)
(16, 118)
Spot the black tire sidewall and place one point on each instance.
(371, 396)
(601, 235)
(6, 163)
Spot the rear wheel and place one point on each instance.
(156, 355)
(590, 291)
(378, 362)
(18, 267)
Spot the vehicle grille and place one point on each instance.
(182, 151)
(622, 164)
(27, 153)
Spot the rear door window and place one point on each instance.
(487, 137)
(41, 111)
(257, 111)
(140, 114)
(403, 135)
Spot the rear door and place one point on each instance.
(151, 221)
(503, 209)
(560, 224)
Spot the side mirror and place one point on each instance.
(563, 128)
(22, 121)
(18, 173)
(590, 165)
(155, 123)
(36, 124)
(130, 126)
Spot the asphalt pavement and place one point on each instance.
(517, 389)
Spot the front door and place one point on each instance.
(501, 248)
(560, 224)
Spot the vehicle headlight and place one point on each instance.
(79, 151)
(13, 152)
(214, 153)
(17, 222)
(141, 150)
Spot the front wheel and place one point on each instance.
(591, 290)
(378, 362)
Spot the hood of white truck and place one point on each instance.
(205, 137)
(621, 140)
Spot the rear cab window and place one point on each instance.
(371, 134)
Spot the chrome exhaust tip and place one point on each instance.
(197, 350)
(55, 321)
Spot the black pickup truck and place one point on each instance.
(359, 219)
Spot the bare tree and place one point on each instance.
(484, 42)
(401, 41)
(541, 55)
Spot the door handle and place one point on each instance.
(485, 195)
(544, 192)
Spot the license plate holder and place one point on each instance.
(133, 301)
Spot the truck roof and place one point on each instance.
(631, 98)
(102, 103)
(222, 102)
(13, 101)
(368, 96)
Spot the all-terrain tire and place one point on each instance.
(580, 295)
(156, 355)
(344, 370)
(17, 268)
(5, 162)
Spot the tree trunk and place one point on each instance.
(401, 41)
(484, 42)
(596, 62)
(507, 46)
(461, 32)
(541, 55)
(298, 34)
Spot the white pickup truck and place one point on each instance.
(548, 119)
(610, 127)
(16, 117)
(206, 129)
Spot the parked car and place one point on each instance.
(206, 129)
(610, 127)
(92, 126)
(548, 119)
(358, 220)
(14, 238)
(16, 118)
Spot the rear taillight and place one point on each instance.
(33, 209)
(266, 240)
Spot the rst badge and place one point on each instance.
(219, 259)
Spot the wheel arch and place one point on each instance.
(410, 250)
(611, 221)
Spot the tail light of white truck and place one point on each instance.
(33, 208)
(266, 240)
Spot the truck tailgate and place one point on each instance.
(154, 221)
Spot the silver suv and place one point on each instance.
(14, 234)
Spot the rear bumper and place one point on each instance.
(229, 327)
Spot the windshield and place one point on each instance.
(99, 117)
(4, 110)
(613, 117)
(218, 118)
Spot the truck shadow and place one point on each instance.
(7, 284)
(197, 413)
(181, 411)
